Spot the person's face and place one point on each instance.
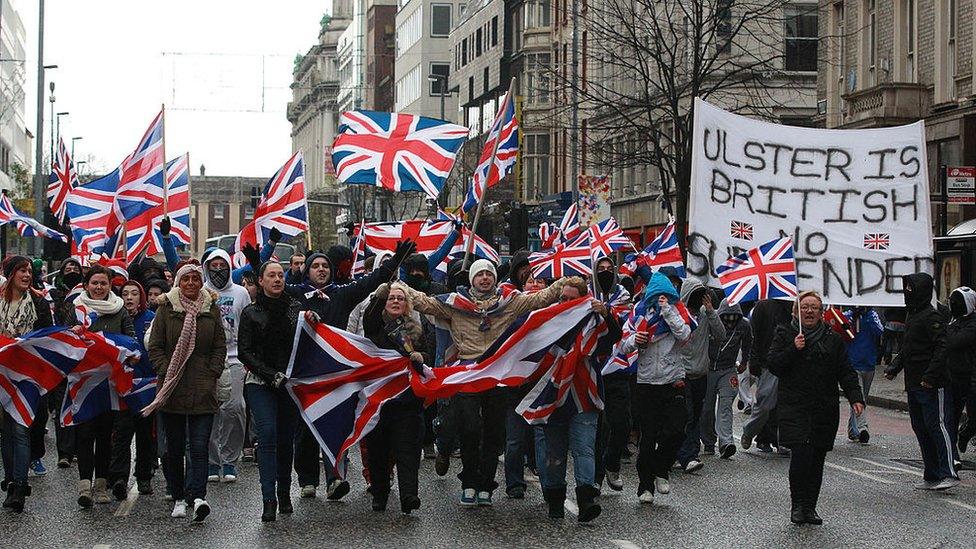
(217, 264)
(272, 281)
(396, 303)
(730, 321)
(604, 265)
(417, 273)
(169, 277)
(811, 312)
(522, 274)
(484, 281)
(251, 287)
(153, 293)
(130, 297)
(43, 269)
(98, 286)
(319, 272)
(23, 278)
(569, 293)
(534, 284)
(190, 285)
(297, 263)
(71, 267)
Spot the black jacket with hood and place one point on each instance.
(766, 316)
(922, 349)
(334, 302)
(960, 342)
(738, 336)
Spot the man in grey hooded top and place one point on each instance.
(694, 360)
(723, 360)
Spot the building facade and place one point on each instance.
(221, 206)
(15, 140)
(423, 29)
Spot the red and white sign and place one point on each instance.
(961, 185)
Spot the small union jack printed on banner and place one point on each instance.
(741, 230)
(877, 241)
(766, 272)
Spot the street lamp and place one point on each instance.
(73, 140)
(58, 125)
(444, 92)
(51, 99)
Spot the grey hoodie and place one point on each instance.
(694, 354)
(231, 299)
(723, 354)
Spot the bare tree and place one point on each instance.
(646, 61)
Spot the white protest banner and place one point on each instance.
(855, 202)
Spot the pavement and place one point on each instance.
(888, 393)
(867, 501)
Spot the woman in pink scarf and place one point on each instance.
(187, 346)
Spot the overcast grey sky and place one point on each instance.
(120, 60)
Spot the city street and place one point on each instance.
(867, 501)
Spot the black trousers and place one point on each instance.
(64, 436)
(94, 439)
(38, 429)
(806, 474)
(616, 411)
(307, 463)
(129, 425)
(481, 433)
(397, 437)
(661, 413)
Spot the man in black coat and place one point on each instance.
(960, 358)
(926, 377)
(766, 316)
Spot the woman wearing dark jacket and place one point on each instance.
(264, 341)
(398, 434)
(22, 310)
(98, 309)
(188, 347)
(810, 361)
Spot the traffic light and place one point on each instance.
(518, 229)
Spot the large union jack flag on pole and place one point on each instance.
(428, 236)
(400, 152)
(283, 206)
(566, 259)
(340, 381)
(91, 214)
(499, 154)
(663, 251)
(766, 272)
(606, 237)
(63, 179)
(26, 226)
(141, 181)
(178, 199)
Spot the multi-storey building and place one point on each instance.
(423, 49)
(221, 206)
(15, 140)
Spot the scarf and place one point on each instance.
(87, 310)
(184, 348)
(811, 335)
(17, 317)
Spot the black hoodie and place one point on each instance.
(921, 355)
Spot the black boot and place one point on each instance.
(18, 494)
(270, 511)
(409, 503)
(588, 508)
(10, 494)
(556, 498)
(810, 515)
(379, 501)
(797, 516)
(284, 503)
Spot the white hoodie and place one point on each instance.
(232, 299)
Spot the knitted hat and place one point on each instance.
(480, 266)
(13, 263)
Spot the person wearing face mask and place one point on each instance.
(98, 309)
(131, 424)
(227, 435)
(862, 351)
(960, 360)
(694, 359)
(66, 286)
(22, 310)
(810, 361)
(722, 379)
(926, 377)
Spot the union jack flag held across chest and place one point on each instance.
(400, 152)
(766, 272)
(495, 163)
(63, 179)
(283, 206)
(877, 241)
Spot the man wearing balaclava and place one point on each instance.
(926, 377)
(960, 359)
(227, 436)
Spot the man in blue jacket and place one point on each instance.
(862, 352)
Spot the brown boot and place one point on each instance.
(101, 491)
(85, 499)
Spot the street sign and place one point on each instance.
(961, 185)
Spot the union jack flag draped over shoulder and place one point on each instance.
(26, 226)
(63, 179)
(495, 163)
(283, 206)
(400, 152)
(766, 272)
(91, 214)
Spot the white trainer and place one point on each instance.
(646, 497)
(662, 485)
(200, 509)
(179, 510)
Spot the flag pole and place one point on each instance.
(494, 153)
(162, 110)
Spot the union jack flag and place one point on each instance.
(63, 179)
(760, 273)
(400, 152)
(142, 233)
(283, 205)
(877, 241)
(565, 259)
(340, 381)
(91, 214)
(141, 181)
(428, 235)
(606, 237)
(663, 251)
(499, 154)
(547, 235)
(97, 382)
(569, 226)
(26, 226)
(741, 230)
(644, 317)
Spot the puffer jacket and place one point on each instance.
(196, 392)
(959, 357)
(659, 363)
(723, 354)
(807, 408)
(694, 353)
(921, 355)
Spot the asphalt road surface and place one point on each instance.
(867, 501)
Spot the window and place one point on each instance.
(535, 166)
(440, 20)
(464, 52)
(218, 211)
(536, 14)
(910, 30)
(537, 77)
(486, 87)
(437, 85)
(409, 33)
(801, 38)
(477, 43)
(872, 33)
(408, 88)
(494, 31)
(723, 26)
(952, 13)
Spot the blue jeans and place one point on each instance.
(183, 430)
(517, 433)
(576, 434)
(275, 416)
(930, 411)
(15, 446)
(695, 389)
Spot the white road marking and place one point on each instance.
(858, 473)
(102, 546)
(129, 503)
(624, 544)
(959, 504)
(892, 467)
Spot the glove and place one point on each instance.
(458, 225)
(403, 250)
(279, 380)
(274, 235)
(164, 226)
(252, 255)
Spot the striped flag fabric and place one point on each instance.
(26, 225)
(498, 155)
(91, 214)
(283, 205)
(141, 180)
(63, 179)
(766, 272)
